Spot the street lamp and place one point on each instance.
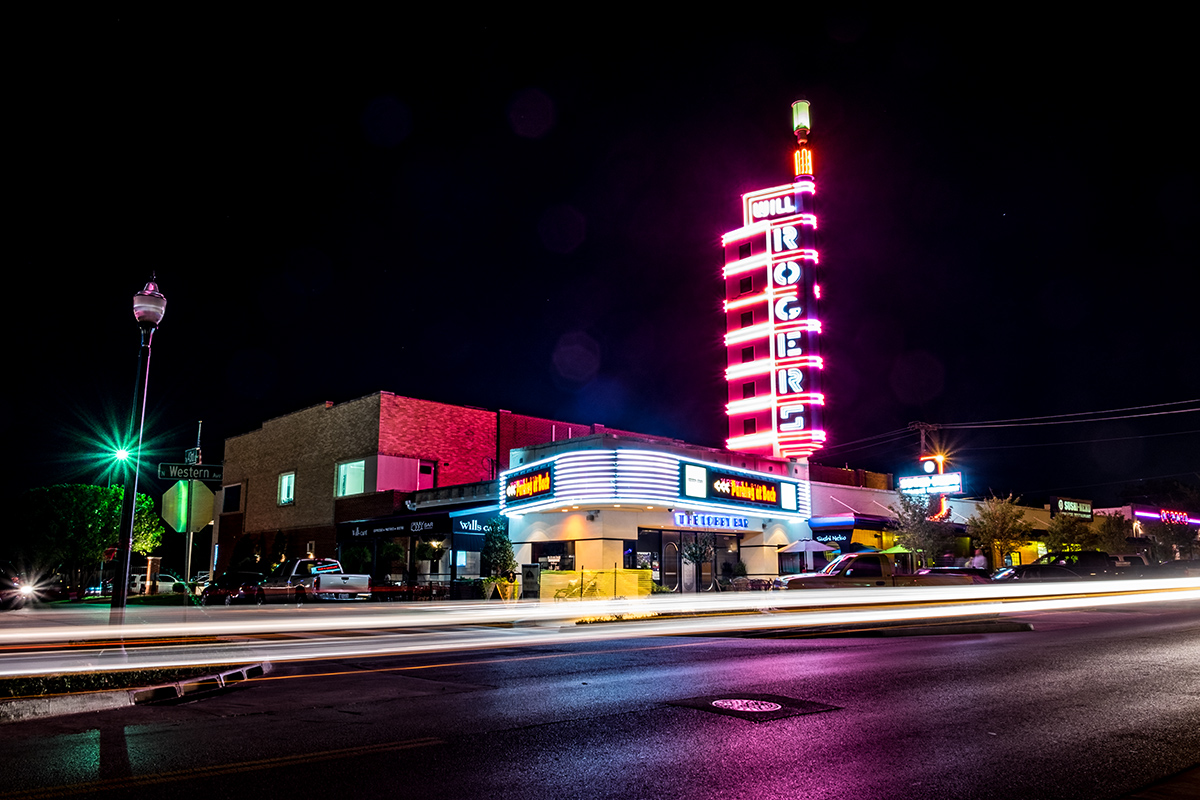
(148, 308)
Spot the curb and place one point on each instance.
(27, 708)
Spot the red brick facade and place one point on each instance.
(462, 444)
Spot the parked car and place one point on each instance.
(976, 574)
(1087, 565)
(235, 587)
(166, 584)
(1036, 573)
(303, 579)
(1175, 569)
(854, 570)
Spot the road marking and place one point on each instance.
(133, 781)
(537, 657)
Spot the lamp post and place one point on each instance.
(148, 308)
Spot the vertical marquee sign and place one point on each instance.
(772, 327)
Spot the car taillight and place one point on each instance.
(316, 583)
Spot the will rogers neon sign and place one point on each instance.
(772, 328)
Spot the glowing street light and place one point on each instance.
(149, 305)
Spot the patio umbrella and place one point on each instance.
(896, 550)
(808, 547)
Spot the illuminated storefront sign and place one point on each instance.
(947, 483)
(715, 483)
(1165, 515)
(772, 326)
(528, 484)
(633, 477)
(1071, 508)
(686, 519)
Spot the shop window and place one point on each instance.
(287, 488)
(747, 390)
(554, 555)
(231, 499)
(351, 478)
(747, 319)
(746, 285)
(747, 354)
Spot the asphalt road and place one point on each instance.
(1090, 704)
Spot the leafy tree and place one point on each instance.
(356, 558)
(68, 528)
(700, 550)
(1181, 537)
(497, 555)
(1066, 530)
(916, 532)
(390, 552)
(999, 525)
(1111, 532)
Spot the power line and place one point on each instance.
(1075, 441)
(1030, 420)
(970, 425)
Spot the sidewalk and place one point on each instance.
(63, 704)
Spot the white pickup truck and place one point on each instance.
(302, 579)
(867, 569)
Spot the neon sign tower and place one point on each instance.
(771, 322)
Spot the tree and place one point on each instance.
(916, 532)
(999, 525)
(67, 528)
(1180, 536)
(1066, 530)
(701, 550)
(1111, 532)
(497, 555)
(356, 558)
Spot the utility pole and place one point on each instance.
(923, 428)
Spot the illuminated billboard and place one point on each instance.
(638, 477)
(772, 327)
(943, 483)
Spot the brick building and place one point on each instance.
(291, 482)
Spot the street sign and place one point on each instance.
(191, 472)
(188, 506)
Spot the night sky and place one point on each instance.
(526, 216)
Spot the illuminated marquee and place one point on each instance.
(772, 326)
(636, 477)
(528, 484)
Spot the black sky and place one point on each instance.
(528, 215)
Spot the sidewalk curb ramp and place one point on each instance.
(193, 688)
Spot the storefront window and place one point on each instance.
(554, 555)
(662, 553)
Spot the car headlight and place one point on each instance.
(26, 590)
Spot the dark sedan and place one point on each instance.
(976, 574)
(234, 587)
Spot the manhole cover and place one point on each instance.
(747, 705)
(754, 707)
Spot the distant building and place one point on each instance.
(291, 482)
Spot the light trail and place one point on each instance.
(367, 631)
